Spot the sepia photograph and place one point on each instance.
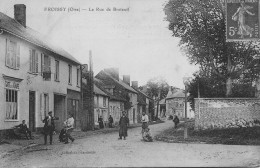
(129, 83)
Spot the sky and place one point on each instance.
(137, 40)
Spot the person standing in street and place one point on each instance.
(110, 120)
(123, 124)
(100, 121)
(176, 121)
(145, 120)
(48, 127)
(69, 126)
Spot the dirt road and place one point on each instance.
(107, 150)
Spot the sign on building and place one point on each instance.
(242, 20)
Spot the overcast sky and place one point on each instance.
(137, 41)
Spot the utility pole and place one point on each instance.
(185, 121)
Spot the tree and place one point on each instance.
(157, 87)
(200, 25)
(212, 86)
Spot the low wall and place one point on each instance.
(226, 112)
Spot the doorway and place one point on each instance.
(59, 111)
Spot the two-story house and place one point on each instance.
(145, 103)
(116, 102)
(101, 105)
(120, 88)
(36, 76)
(175, 104)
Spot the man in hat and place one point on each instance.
(123, 123)
(48, 127)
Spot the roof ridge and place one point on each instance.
(12, 26)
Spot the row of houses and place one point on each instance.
(38, 76)
(113, 95)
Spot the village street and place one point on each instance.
(106, 150)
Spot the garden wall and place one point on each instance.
(226, 112)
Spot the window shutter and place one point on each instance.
(41, 107)
(36, 62)
(49, 64)
(18, 57)
(31, 61)
(42, 63)
(8, 56)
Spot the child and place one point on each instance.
(147, 135)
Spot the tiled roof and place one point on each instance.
(179, 93)
(126, 86)
(11, 26)
(98, 91)
(102, 86)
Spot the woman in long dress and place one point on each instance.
(123, 124)
(239, 16)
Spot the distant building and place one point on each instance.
(144, 102)
(36, 76)
(101, 105)
(120, 88)
(175, 104)
(115, 102)
(162, 108)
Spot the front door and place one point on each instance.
(59, 111)
(32, 110)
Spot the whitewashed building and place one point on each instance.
(36, 76)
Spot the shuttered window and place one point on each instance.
(57, 69)
(70, 74)
(78, 76)
(33, 61)
(12, 59)
(46, 67)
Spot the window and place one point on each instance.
(11, 104)
(33, 61)
(70, 74)
(12, 59)
(78, 76)
(46, 67)
(104, 102)
(57, 66)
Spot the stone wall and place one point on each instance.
(226, 112)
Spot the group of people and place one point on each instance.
(65, 133)
(124, 123)
(48, 129)
(101, 123)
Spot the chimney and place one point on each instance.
(20, 14)
(126, 79)
(114, 72)
(135, 84)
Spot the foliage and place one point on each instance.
(200, 25)
(213, 86)
(157, 87)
